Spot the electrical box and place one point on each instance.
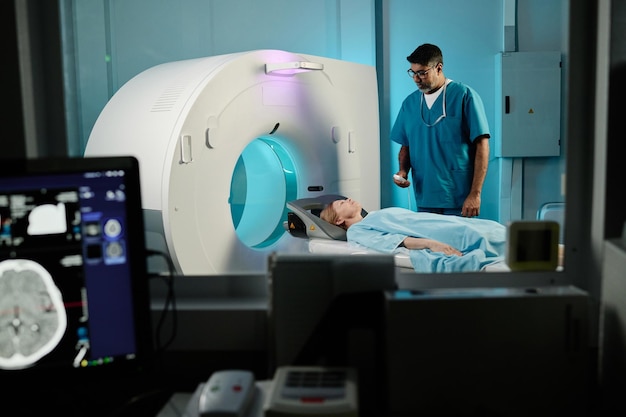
(528, 104)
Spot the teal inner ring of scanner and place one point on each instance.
(264, 179)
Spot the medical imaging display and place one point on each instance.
(65, 293)
(35, 318)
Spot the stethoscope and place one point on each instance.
(443, 113)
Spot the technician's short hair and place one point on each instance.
(426, 54)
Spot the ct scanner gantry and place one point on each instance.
(224, 142)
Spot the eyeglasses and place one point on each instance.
(421, 73)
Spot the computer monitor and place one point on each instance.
(74, 292)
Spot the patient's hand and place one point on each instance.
(445, 248)
(433, 245)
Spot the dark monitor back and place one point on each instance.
(327, 310)
(74, 292)
(302, 287)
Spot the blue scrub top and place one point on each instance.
(442, 166)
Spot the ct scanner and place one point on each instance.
(223, 142)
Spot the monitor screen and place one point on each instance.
(74, 292)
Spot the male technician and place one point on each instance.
(444, 136)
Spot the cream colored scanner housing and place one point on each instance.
(189, 123)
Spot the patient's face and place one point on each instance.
(347, 209)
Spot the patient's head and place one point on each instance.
(342, 213)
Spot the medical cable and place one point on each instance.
(170, 303)
(408, 197)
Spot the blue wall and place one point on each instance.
(469, 38)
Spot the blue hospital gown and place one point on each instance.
(481, 241)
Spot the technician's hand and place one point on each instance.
(401, 181)
(471, 206)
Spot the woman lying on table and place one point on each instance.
(446, 243)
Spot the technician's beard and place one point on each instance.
(425, 88)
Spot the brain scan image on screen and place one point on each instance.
(32, 313)
(47, 219)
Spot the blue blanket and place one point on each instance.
(481, 241)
